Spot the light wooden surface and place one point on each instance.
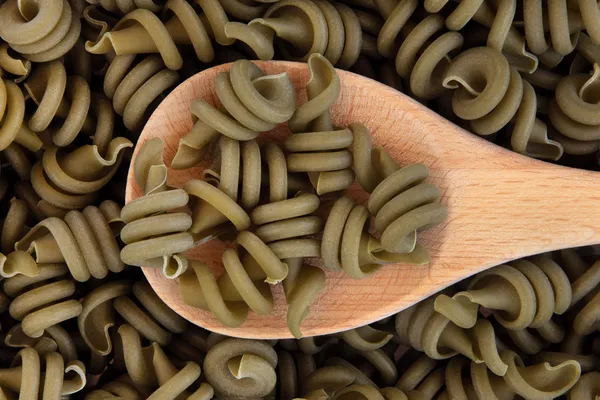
(502, 205)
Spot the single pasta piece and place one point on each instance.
(42, 301)
(155, 236)
(84, 240)
(490, 93)
(152, 318)
(142, 31)
(241, 368)
(572, 112)
(251, 103)
(41, 33)
(243, 286)
(30, 378)
(316, 147)
(530, 382)
(134, 84)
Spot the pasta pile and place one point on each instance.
(276, 229)
(78, 80)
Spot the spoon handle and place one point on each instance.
(497, 215)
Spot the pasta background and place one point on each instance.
(78, 80)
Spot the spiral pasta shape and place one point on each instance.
(84, 240)
(153, 236)
(251, 102)
(347, 245)
(397, 201)
(42, 300)
(572, 112)
(13, 127)
(134, 84)
(316, 147)
(307, 27)
(492, 105)
(40, 32)
(421, 60)
(251, 375)
(399, 197)
(147, 315)
(68, 103)
(70, 179)
(152, 373)
(31, 378)
(531, 382)
(563, 24)
(540, 287)
(424, 329)
(236, 291)
(54, 339)
(284, 225)
(141, 31)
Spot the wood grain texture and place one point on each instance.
(502, 205)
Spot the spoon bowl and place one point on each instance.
(502, 205)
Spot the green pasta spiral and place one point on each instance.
(421, 59)
(154, 236)
(43, 300)
(241, 368)
(532, 381)
(490, 94)
(84, 240)
(133, 85)
(421, 327)
(316, 147)
(243, 286)
(572, 112)
(286, 226)
(66, 178)
(142, 31)
(306, 27)
(40, 32)
(52, 378)
(251, 101)
(144, 311)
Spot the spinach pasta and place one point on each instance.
(78, 81)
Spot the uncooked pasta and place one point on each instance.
(79, 80)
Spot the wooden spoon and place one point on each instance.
(502, 205)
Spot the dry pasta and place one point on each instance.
(316, 147)
(257, 361)
(512, 97)
(40, 34)
(85, 241)
(29, 378)
(251, 102)
(78, 80)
